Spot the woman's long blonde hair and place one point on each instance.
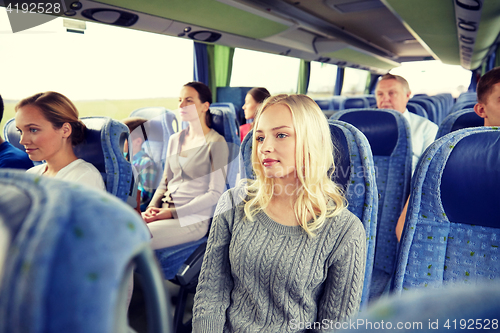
(313, 161)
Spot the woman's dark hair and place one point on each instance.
(205, 95)
(57, 109)
(259, 94)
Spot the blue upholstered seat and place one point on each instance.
(246, 169)
(458, 120)
(355, 172)
(354, 103)
(11, 135)
(417, 109)
(429, 108)
(453, 308)
(452, 229)
(388, 133)
(69, 260)
(325, 104)
(103, 147)
(236, 96)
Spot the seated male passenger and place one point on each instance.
(488, 97)
(393, 92)
(10, 156)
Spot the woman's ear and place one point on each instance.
(206, 106)
(66, 130)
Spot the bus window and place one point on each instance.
(107, 70)
(354, 82)
(322, 80)
(278, 74)
(434, 77)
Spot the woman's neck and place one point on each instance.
(198, 128)
(59, 161)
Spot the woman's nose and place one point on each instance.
(266, 146)
(22, 139)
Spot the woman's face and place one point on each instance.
(275, 136)
(38, 136)
(191, 106)
(250, 107)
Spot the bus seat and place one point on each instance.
(325, 104)
(452, 231)
(11, 135)
(70, 257)
(228, 107)
(458, 120)
(389, 134)
(246, 168)
(453, 308)
(355, 173)
(354, 103)
(151, 112)
(417, 109)
(103, 147)
(428, 106)
(372, 101)
(235, 95)
(463, 105)
(467, 96)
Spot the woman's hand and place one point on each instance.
(153, 213)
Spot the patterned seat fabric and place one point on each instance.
(355, 172)
(452, 233)
(458, 120)
(453, 308)
(388, 133)
(68, 264)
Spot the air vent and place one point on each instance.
(111, 16)
(354, 7)
(205, 36)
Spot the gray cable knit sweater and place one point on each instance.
(263, 276)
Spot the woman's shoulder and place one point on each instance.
(348, 222)
(214, 136)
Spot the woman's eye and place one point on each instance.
(281, 135)
(260, 139)
(33, 130)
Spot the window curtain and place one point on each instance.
(339, 82)
(200, 65)
(304, 75)
(371, 83)
(213, 65)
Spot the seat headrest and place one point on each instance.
(469, 119)
(470, 181)
(341, 153)
(379, 127)
(90, 149)
(218, 121)
(11, 134)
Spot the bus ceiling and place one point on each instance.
(374, 35)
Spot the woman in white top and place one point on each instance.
(49, 127)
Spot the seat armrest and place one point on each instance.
(192, 266)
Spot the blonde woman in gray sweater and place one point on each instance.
(284, 255)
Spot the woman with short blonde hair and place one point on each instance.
(283, 252)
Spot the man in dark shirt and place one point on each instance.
(10, 156)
